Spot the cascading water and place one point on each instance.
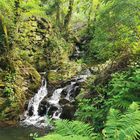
(54, 101)
(59, 105)
(33, 118)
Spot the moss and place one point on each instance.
(67, 71)
(1, 84)
(2, 102)
(26, 79)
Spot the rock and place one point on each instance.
(68, 111)
(2, 102)
(30, 111)
(21, 117)
(26, 105)
(42, 110)
(94, 70)
(63, 101)
(52, 110)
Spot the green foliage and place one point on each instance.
(92, 111)
(120, 93)
(60, 137)
(7, 11)
(65, 128)
(8, 91)
(115, 29)
(113, 110)
(6, 21)
(32, 8)
(123, 126)
(10, 77)
(71, 130)
(85, 110)
(124, 88)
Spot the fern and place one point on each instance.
(123, 127)
(124, 89)
(71, 130)
(60, 137)
(65, 128)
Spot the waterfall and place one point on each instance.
(34, 102)
(54, 101)
(33, 117)
(58, 105)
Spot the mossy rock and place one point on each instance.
(2, 85)
(66, 72)
(54, 77)
(27, 73)
(2, 102)
(26, 82)
(11, 113)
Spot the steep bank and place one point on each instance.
(37, 48)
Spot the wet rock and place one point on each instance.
(30, 112)
(76, 91)
(52, 110)
(63, 101)
(42, 110)
(43, 106)
(26, 105)
(68, 111)
(21, 117)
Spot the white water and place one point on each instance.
(54, 100)
(31, 115)
(69, 89)
(34, 102)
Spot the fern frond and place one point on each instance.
(124, 89)
(71, 130)
(65, 128)
(123, 127)
(60, 137)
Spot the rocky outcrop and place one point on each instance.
(36, 47)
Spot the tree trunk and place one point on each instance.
(90, 12)
(4, 30)
(69, 14)
(58, 13)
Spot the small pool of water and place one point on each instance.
(18, 133)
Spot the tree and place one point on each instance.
(115, 29)
(6, 20)
(69, 14)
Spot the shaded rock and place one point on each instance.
(30, 111)
(68, 111)
(52, 110)
(63, 101)
(2, 102)
(43, 106)
(26, 105)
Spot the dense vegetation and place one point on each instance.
(43, 35)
